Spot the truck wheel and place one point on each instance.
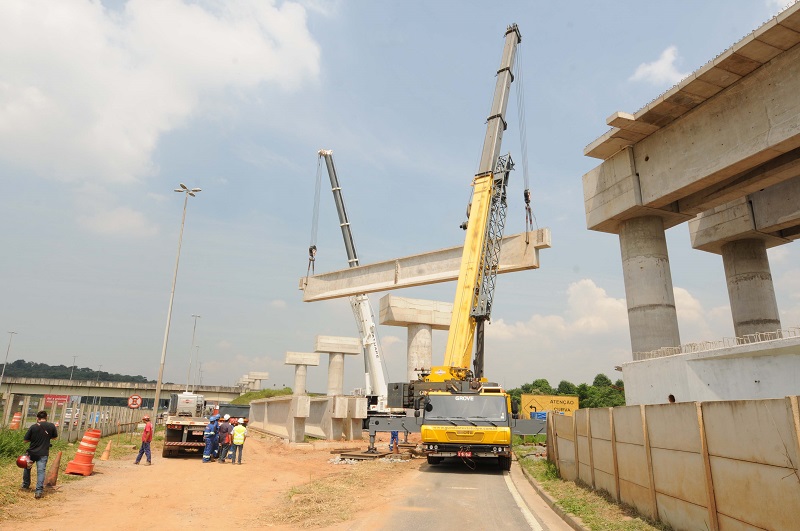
(434, 460)
(166, 452)
(504, 462)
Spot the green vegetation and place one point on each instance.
(602, 393)
(246, 398)
(596, 509)
(29, 369)
(12, 446)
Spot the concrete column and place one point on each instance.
(337, 348)
(750, 289)
(420, 349)
(300, 375)
(652, 319)
(420, 317)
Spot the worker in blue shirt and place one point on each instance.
(210, 436)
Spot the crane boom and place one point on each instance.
(375, 374)
(475, 287)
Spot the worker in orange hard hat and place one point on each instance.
(147, 437)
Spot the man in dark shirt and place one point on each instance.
(38, 436)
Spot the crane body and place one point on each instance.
(463, 415)
(375, 373)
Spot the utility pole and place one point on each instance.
(73, 367)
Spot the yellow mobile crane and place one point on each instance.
(463, 415)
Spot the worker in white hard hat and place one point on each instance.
(225, 434)
(239, 436)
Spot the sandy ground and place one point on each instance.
(183, 493)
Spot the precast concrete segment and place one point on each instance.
(301, 361)
(300, 377)
(750, 288)
(730, 129)
(420, 350)
(420, 269)
(652, 318)
(402, 311)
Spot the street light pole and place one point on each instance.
(189, 372)
(188, 192)
(10, 337)
(197, 357)
(73, 367)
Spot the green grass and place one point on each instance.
(246, 398)
(597, 510)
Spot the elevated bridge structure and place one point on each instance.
(48, 386)
(721, 152)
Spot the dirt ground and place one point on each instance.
(181, 493)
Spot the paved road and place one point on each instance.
(453, 496)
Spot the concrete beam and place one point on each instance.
(744, 138)
(420, 269)
(339, 345)
(401, 311)
(301, 358)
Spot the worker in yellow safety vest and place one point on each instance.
(239, 436)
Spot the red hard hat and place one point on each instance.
(24, 461)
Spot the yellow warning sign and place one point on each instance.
(532, 404)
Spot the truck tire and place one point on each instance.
(504, 462)
(434, 460)
(167, 452)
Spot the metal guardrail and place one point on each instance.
(726, 342)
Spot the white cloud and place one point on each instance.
(660, 72)
(121, 221)
(278, 303)
(387, 341)
(94, 89)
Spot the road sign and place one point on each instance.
(134, 401)
(562, 405)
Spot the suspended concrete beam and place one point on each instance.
(420, 269)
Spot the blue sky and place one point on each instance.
(106, 106)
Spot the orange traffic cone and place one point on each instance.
(106, 453)
(16, 421)
(82, 464)
(52, 476)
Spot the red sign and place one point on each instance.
(55, 400)
(134, 401)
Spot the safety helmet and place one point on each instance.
(241, 421)
(213, 418)
(146, 417)
(226, 417)
(24, 461)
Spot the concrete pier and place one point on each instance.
(300, 407)
(750, 288)
(420, 317)
(652, 318)
(336, 348)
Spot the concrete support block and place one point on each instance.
(337, 348)
(300, 409)
(420, 350)
(652, 318)
(421, 317)
(340, 405)
(750, 288)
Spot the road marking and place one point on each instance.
(532, 522)
(464, 488)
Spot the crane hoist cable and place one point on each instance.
(312, 246)
(530, 219)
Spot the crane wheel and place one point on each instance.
(434, 460)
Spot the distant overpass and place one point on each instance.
(51, 386)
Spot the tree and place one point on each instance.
(567, 388)
(538, 387)
(601, 380)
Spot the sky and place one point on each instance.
(106, 106)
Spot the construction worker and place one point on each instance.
(393, 441)
(239, 436)
(147, 437)
(211, 439)
(38, 437)
(225, 433)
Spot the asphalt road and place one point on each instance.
(459, 495)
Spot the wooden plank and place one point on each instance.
(653, 500)
(589, 441)
(712, 504)
(614, 453)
